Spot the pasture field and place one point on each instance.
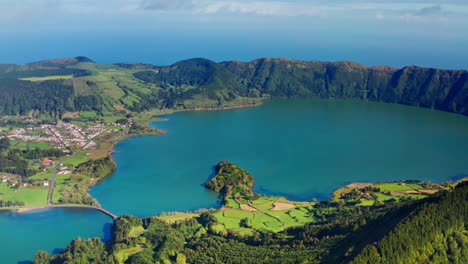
(264, 203)
(43, 175)
(4, 189)
(31, 145)
(232, 203)
(176, 217)
(366, 202)
(397, 187)
(88, 114)
(285, 218)
(263, 221)
(228, 222)
(237, 214)
(123, 254)
(46, 78)
(30, 196)
(112, 118)
(234, 217)
(57, 195)
(76, 160)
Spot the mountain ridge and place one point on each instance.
(202, 83)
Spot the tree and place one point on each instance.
(41, 257)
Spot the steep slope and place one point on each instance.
(445, 90)
(440, 89)
(432, 230)
(197, 83)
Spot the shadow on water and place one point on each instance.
(57, 251)
(263, 191)
(458, 177)
(211, 176)
(107, 229)
(54, 252)
(219, 199)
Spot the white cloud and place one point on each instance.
(271, 8)
(28, 11)
(166, 4)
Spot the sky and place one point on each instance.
(430, 33)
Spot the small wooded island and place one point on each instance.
(251, 228)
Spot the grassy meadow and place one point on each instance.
(47, 78)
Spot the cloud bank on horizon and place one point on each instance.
(24, 12)
(430, 32)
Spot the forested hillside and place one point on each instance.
(433, 88)
(79, 84)
(434, 233)
(432, 230)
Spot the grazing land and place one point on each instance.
(46, 78)
(244, 212)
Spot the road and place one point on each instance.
(52, 184)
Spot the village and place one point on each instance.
(65, 135)
(74, 144)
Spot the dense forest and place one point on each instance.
(426, 87)
(432, 230)
(204, 83)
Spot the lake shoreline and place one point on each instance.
(149, 130)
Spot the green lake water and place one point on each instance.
(22, 234)
(299, 149)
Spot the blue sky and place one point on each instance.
(399, 32)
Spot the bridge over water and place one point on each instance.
(114, 216)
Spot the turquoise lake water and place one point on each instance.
(300, 149)
(22, 234)
(295, 148)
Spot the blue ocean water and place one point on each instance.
(167, 48)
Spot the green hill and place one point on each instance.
(199, 83)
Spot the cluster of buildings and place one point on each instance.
(13, 179)
(63, 135)
(49, 164)
(28, 134)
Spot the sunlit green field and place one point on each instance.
(76, 160)
(30, 145)
(30, 196)
(46, 78)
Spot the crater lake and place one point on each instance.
(296, 148)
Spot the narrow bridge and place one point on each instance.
(102, 210)
(114, 216)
